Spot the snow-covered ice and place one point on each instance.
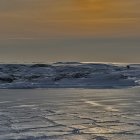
(69, 75)
(70, 114)
(70, 101)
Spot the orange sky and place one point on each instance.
(69, 30)
(69, 18)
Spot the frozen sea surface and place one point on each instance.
(70, 114)
(69, 75)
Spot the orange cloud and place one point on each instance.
(49, 18)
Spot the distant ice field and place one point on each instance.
(69, 75)
(70, 114)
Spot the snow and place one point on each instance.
(69, 75)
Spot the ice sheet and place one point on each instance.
(70, 114)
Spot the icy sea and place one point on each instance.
(70, 101)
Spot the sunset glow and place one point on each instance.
(53, 18)
(57, 30)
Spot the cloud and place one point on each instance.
(40, 18)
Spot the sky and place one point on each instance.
(69, 30)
